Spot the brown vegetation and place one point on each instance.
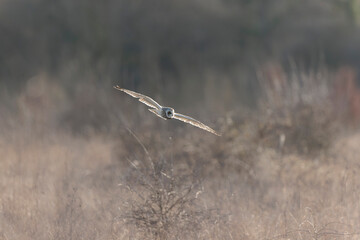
(281, 172)
(79, 160)
(347, 95)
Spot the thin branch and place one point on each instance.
(143, 147)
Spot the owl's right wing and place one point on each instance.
(142, 98)
(195, 123)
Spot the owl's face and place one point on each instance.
(168, 112)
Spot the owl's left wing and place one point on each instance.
(194, 122)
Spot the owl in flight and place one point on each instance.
(166, 112)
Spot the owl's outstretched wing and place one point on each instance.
(142, 98)
(194, 122)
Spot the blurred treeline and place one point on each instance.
(181, 48)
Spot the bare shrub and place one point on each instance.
(295, 112)
(346, 95)
(163, 200)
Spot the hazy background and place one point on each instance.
(278, 79)
(177, 49)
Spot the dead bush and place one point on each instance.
(295, 113)
(163, 200)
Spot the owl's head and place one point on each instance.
(169, 112)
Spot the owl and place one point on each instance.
(166, 112)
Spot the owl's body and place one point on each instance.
(166, 112)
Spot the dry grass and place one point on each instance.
(58, 184)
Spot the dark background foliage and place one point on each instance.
(173, 47)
